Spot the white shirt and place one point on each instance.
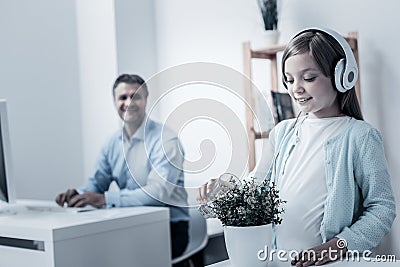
(303, 185)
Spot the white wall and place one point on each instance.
(135, 37)
(114, 37)
(97, 69)
(40, 80)
(58, 65)
(207, 31)
(136, 41)
(213, 31)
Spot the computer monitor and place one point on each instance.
(7, 192)
(8, 203)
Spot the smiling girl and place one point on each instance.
(329, 164)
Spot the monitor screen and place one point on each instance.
(6, 182)
(3, 182)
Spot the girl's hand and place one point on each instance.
(204, 191)
(330, 251)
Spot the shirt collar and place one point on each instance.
(139, 134)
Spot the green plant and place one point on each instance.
(247, 203)
(269, 13)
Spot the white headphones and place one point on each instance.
(346, 70)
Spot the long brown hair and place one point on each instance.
(326, 52)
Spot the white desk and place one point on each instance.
(361, 263)
(115, 237)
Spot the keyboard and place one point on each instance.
(59, 209)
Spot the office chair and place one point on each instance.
(198, 237)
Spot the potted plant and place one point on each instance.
(269, 12)
(247, 211)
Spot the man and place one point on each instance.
(145, 160)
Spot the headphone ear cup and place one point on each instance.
(339, 71)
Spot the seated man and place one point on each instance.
(145, 160)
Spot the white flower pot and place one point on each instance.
(243, 244)
(265, 39)
(271, 37)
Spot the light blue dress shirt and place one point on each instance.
(149, 173)
(360, 206)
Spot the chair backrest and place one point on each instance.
(198, 237)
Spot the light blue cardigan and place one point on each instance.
(360, 206)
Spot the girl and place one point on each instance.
(329, 164)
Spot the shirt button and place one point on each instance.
(328, 162)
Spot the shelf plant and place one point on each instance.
(269, 12)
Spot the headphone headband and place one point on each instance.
(346, 70)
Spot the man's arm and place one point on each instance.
(92, 193)
(102, 176)
(166, 169)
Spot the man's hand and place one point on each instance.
(65, 197)
(330, 251)
(89, 198)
